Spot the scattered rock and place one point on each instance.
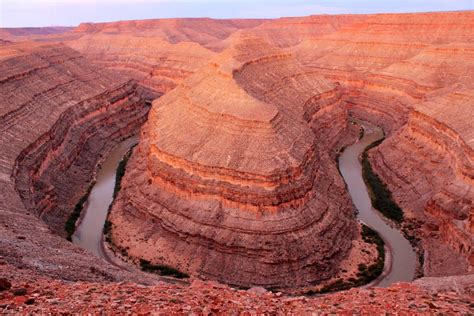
(19, 291)
(4, 284)
(257, 290)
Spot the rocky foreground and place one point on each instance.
(37, 294)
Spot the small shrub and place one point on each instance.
(311, 292)
(362, 267)
(366, 273)
(70, 225)
(379, 193)
(161, 269)
(121, 168)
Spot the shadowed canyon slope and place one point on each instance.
(235, 177)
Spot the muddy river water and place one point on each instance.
(88, 234)
(402, 264)
(403, 258)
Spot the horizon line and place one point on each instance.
(230, 18)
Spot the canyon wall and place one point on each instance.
(412, 74)
(25, 33)
(203, 31)
(157, 53)
(235, 179)
(388, 62)
(59, 115)
(153, 61)
(428, 165)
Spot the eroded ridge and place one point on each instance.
(235, 178)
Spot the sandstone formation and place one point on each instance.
(203, 31)
(235, 178)
(25, 33)
(434, 181)
(155, 62)
(382, 59)
(412, 74)
(58, 115)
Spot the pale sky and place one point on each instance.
(21, 13)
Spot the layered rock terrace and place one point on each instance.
(238, 174)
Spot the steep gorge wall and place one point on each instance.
(54, 172)
(389, 62)
(412, 75)
(59, 116)
(429, 168)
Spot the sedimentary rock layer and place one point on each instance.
(388, 62)
(204, 31)
(58, 115)
(157, 53)
(251, 177)
(235, 179)
(433, 182)
(156, 63)
(23, 33)
(412, 74)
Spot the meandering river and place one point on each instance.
(403, 259)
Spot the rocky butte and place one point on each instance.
(235, 178)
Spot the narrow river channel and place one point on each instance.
(88, 234)
(403, 257)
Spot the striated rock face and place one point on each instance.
(412, 74)
(157, 53)
(388, 62)
(82, 113)
(58, 115)
(235, 179)
(154, 62)
(429, 167)
(204, 31)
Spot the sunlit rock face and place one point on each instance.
(158, 53)
(234, 180)
(58, 114)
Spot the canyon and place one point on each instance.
(235, 178)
